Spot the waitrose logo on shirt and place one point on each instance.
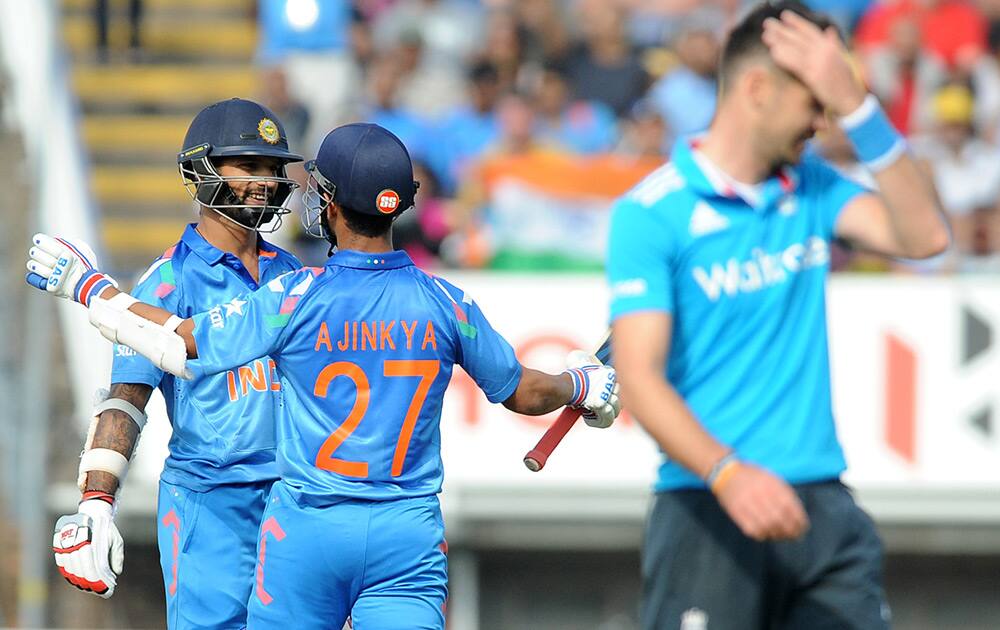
(762, 270)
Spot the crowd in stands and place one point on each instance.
(526, 118)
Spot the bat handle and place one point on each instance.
(536, 457)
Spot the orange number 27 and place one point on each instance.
(426, 369)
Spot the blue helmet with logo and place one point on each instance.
(362, 167)
(236, 128)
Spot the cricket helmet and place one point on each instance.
(232, 128)
(360, 166)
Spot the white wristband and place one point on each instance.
(861, 114)
(106, 460)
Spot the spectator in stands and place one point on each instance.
(309, 40)
(685, 95)
(276, 97)
(575, 125)
(370, 10)
(102, 19)
(991, 11)
(953, 30)
(503, 47)
(652, 22)
(468, 129)
(528, 205)
(518, 127)
(468, 244)
(905, 69)
(544, 31)
(983, 76)
(450, 29)
(643, 132)
(605, 68)
(421, 231)
(984, 256)
(966, 169)
(427, 87)
(383, 105)
(904, 75)
(362, 40)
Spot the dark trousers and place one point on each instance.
(698, 566)
(102, 17)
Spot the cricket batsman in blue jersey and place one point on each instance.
(366, 346)
(717, 265)
(221, 461)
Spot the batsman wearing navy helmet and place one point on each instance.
(221, 462)
(339, 156)
(225, 137)
(366, 346)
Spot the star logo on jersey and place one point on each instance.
(235, 307)
(705, 219)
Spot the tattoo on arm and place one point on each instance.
(117, 431)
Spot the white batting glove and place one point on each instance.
(89, 550)
(595, 389)
(65, 268)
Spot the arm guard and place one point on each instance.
(106, 459)
(158, 343)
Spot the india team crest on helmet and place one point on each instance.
(387, 201)
(268, 131)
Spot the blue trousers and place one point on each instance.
(208, 543)
(382, 562)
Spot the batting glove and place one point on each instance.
(65, 268)
(595, 389)
(89, 550)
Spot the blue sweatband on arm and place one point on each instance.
(875, 140)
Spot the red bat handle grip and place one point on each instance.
(536, 457)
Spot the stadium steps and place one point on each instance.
(169, 38)
(128, 134)
(136, 108)
(153, 85)
(194, 8)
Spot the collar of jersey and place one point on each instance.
(366, 260)
(212, 254)
(773, 189)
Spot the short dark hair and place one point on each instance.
(370, 225)
(483, 71)
(556, 67)
(746, 38)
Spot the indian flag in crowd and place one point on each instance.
(548, 210)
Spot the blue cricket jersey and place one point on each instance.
(223, 424)
(365, 346)
(745, 286)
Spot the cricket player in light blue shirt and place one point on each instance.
(717, 265)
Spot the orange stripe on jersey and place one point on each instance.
(231, 384)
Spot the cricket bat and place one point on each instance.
(536, 457)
